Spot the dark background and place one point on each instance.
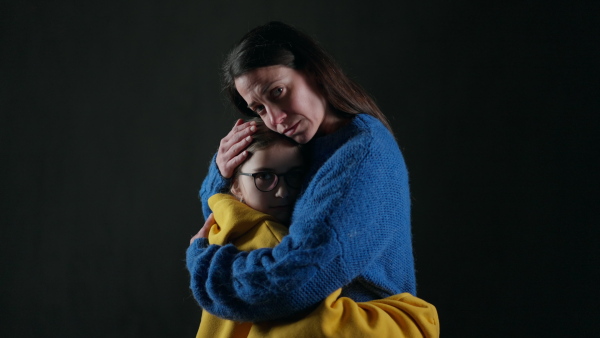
(110, 112)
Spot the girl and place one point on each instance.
(263, 191)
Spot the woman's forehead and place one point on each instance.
(258, 80)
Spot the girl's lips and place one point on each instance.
(280, 206)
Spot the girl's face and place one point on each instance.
(287, 101)
(279, 158)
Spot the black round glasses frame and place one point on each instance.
(292, 178)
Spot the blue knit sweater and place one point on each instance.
(350, 228)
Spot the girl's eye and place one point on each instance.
(264, 175)
(276, 92)
(264, 179)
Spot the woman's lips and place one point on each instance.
(290, 131)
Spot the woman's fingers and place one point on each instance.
(231, 149)
(239, 133)
(235, 133)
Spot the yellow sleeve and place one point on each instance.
(398, 316)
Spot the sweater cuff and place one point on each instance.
(213, 183)
(195, 249)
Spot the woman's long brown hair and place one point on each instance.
(277, 43)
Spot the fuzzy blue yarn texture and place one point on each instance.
(350, 228)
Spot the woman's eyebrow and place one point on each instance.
(262, 91)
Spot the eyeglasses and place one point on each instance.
(267, 181)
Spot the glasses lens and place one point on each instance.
(294, 178)
(265, 181)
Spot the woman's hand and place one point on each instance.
(232, 150)
(203, 233)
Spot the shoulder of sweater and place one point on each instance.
(365, 145)
(367, 131)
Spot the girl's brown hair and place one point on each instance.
(262, 139)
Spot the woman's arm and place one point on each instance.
(262, 284)
(339, 229)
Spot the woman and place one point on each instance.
(351, 225)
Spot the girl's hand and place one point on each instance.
(232, 148)
(203, 233)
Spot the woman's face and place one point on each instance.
(287, 101)
(280, 158)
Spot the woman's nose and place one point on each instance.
(276, 115)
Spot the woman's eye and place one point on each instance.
(259, 109)
(276, 92)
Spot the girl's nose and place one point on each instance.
(282, 190)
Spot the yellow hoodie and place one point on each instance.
(401, 315)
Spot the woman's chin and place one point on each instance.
(301, 138)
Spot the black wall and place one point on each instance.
(110, 113)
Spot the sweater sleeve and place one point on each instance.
(213, 183)
(335, 234)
